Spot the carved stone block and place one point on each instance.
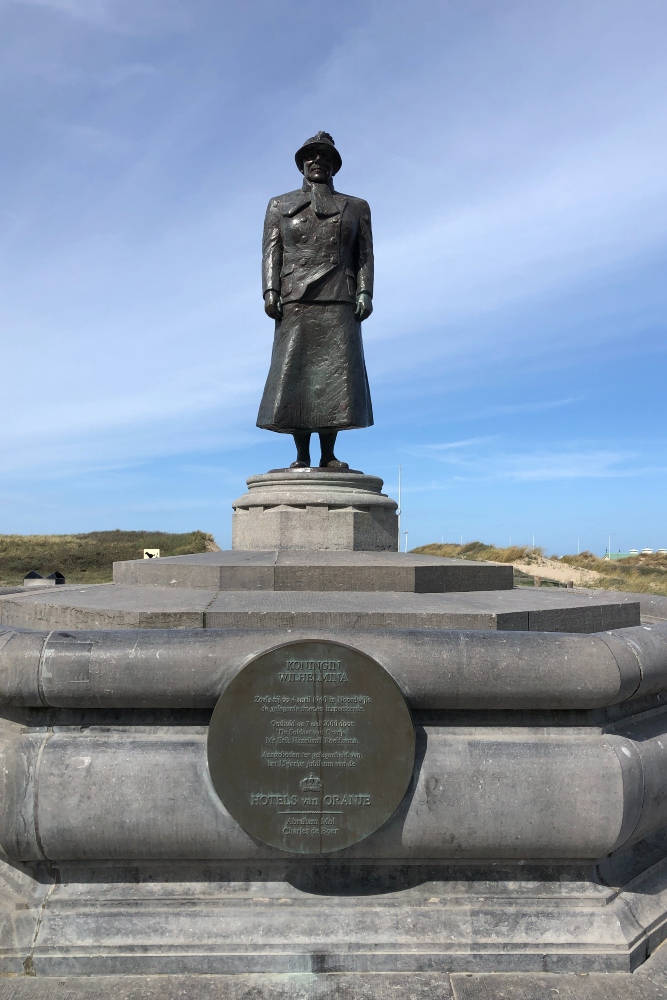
(315, 509)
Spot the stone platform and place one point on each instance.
(115, 606)
(289, 569)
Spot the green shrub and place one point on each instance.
(89, 558)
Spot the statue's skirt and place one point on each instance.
(317, 378)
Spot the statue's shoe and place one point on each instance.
(335, 463)
(300, 465)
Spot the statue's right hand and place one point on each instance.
(273, 307)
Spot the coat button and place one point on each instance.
(333, 240)
(304, 239)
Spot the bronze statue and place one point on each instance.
(318, 286)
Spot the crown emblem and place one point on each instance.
(311, 783)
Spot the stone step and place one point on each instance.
(285, 569)
(110, 606)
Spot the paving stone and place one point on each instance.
(648, 982)
(378, 986)
(596, 986)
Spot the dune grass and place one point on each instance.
(482, 551)
(89, 558)
(637, 574)
(643, 574)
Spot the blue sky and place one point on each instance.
(515, 158)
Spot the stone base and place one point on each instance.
(536, 756)
(315, 509)
(295, 917)
(110, 606)
(282, 569)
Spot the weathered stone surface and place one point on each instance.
(110, 606)
(464, 877)
(289, 986)
(322, 571)
(598, 680)
(298, 918)
(315, 509)
(111, 792)
(511, 610)
(653, 606)
(107, 606)
(649, 982)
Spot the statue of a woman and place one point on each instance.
(318, 286)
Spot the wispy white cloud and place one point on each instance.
(469, 461)
(94, 11)
(447, 446)
(125, 16)
(511, 160)
(518, 409)
(548, 466)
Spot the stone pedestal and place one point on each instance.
(315, 509)
(533, 836)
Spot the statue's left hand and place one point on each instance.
(273, 306)
(364, 306)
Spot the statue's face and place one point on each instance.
(317, 166)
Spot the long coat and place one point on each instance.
(318, 255)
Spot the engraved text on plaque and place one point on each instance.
(311, 747)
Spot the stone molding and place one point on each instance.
(315, 509)
(437, 670)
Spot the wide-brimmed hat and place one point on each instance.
(322, 141)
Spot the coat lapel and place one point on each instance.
(294, 202)
(326, 203)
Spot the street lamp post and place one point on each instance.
(398, 512)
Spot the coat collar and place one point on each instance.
(328, 202)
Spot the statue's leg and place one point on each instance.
(329, 460)
(302, 442)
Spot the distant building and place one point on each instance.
(635, 552)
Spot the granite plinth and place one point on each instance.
(278, 569)
(315, 509)
(530, 839)
(649, 982)
(122, 607)
(171, 919)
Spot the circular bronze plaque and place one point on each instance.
(311, 747)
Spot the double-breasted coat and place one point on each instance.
(318, 255)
